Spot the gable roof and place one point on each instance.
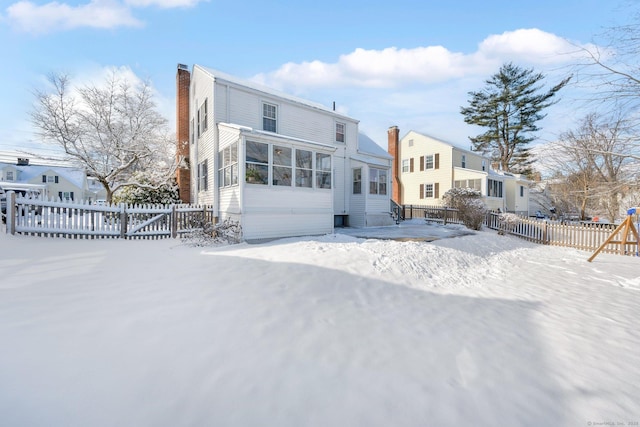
(219, 75)
(371, 153)
(457, 147)
(367, 145)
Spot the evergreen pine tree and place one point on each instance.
(509, 107)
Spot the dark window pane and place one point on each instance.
(257, 174)
(257, 152)
(303, 178)
(281, 176)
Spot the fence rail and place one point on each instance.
(583, 236)
(440, 214)
(82, 220)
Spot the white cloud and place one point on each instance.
(394, 67)
(29, 17)
(423, 88)
(531, 46)
(164, 4)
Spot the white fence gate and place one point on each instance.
(84, 220)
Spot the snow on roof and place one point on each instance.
(74, 175)
(219, 75)
(367, 145)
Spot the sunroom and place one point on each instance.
(276, 186)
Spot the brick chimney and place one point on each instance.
(183, 176)
(393, 137)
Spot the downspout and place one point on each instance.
(347, 180)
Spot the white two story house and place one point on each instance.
(280, 165)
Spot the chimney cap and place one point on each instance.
(23, 161)
(183, 67)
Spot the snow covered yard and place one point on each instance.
(324, 331)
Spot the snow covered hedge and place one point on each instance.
(205, 233)
(468, 202)
(508, 222)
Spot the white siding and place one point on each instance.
(378, 211)
(357, 202)
(340, 184)
(205, 145)
(279, 212)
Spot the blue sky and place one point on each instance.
(404, 63)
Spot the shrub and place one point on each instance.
(508, 222)
(468, 202)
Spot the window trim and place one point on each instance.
(343, 133)
(380, 184)
(274, 119)
(426, 190)
(426, 161)
(231, 166)
(203, 175)
(406, 165)
(354, 181)
(493, 186)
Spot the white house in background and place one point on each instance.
(425, 168)
(65, 183)
(280, 165)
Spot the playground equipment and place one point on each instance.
(625, 228)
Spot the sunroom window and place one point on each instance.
(257, 163)
(282, 165)
(323, 170)
(304, 169)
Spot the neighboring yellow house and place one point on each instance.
(425, 168)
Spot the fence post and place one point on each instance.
(11, 212)
(123, 221)
(445, 215)
(174, 222)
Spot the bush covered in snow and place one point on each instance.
(204, 233)
(508, 222)
(148, 192)
(468, 202)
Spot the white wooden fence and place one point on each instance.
(583, 236)
(81, 219)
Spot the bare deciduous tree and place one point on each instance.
(112, 130)
(595, 163)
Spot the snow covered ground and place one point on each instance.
(335, 330)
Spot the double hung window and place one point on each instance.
(269, 117)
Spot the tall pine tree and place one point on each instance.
(509, 107)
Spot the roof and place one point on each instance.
(367, 145)
(457, 147)
(219, 75)
(371, 153)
